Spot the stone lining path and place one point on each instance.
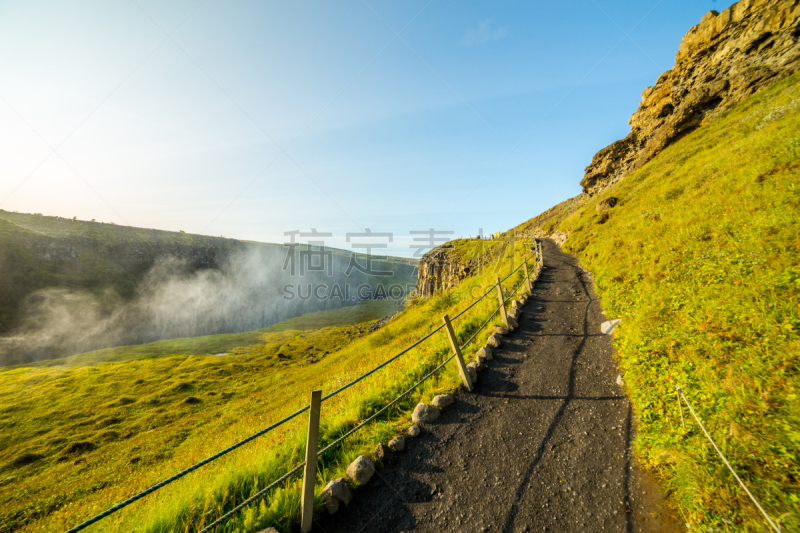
(542, 444)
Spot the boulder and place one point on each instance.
(424, 413)
(608, 327)
(494, 341)
(414, 431)
(514, 313)
(472, 372)
(382, 453)
(480, 362)
(443, 400)
(398, 444)
(336, 492)
(361, 470)
(500, 330)
(486, 352)
(512, 323)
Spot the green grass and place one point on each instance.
(700, 260)
(465, 251)
(86, 432)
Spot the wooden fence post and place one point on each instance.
(503, 313)
(462, 368)
(310, 471)
(528, 278)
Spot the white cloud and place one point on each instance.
(486, 31)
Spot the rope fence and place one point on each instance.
(255, 497)
(771, 522)
(182, 473)
(536, 255)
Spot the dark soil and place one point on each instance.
(543, 443)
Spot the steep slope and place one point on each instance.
(697, 253)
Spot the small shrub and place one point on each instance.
(111, 421)
(26, 459)
(443, 302)
(78, 448)
(673, 193)
(182, 387)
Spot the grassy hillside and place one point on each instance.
(699, 259)
(82, 433)
(112, 400)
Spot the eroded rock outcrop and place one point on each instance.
(720, 62)
(437, 269)
(443, 267)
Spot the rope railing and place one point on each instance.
(482, 326)
(423, 339)
(242, 442)
(771, 522)
(484, 295)
(431, 373)
(298, 467)
(491, 288)
(343, 387)
(182, 473)
(413, 387)
(255, 497)
(385, 408)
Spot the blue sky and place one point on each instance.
(251, 119)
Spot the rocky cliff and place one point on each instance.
(721, 61)
(437, 269)
(446, 265)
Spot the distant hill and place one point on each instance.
(71, 286)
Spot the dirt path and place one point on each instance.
(542, 444)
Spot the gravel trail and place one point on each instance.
(541, 444)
